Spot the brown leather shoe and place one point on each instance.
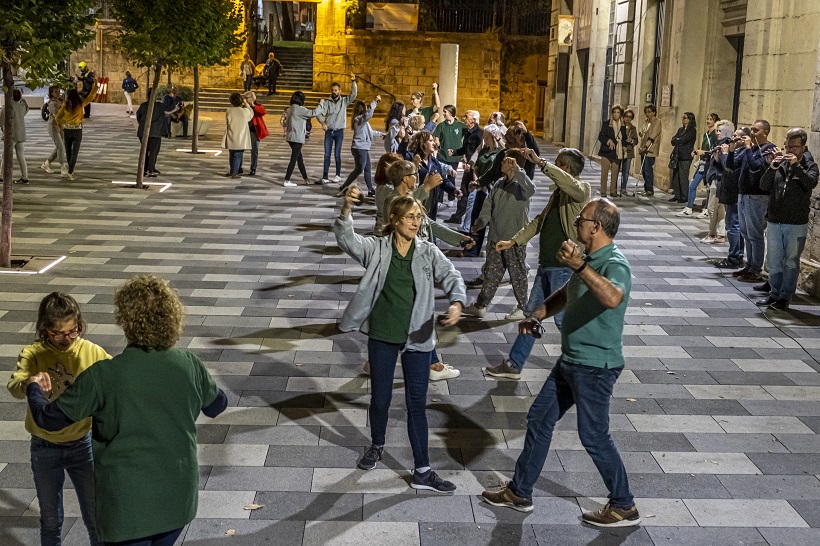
(507, 498)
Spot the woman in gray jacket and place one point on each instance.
(395, 306)
(362, 139)
(294, 120)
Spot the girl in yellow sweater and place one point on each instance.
(62, 354)
(70, 120)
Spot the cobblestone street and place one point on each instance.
(717, 413)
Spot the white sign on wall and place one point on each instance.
(387, 16)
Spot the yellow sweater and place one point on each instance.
(63, 367)
(75, 117)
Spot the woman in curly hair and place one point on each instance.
(145, 403)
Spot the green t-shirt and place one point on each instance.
(552, 236)
(390, 319)
(591, 334)
(450, 135)
(426, 111)
(144, 405)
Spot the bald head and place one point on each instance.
(606, 213)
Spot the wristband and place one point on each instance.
(581, 268)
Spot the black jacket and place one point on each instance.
(729, 180)
(790, 188)
(157, 120)
(529, 141)
(471, 140)
(755, 166)
(684, 142)
(608, 133)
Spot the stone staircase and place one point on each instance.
(217, 100)
(298, 67)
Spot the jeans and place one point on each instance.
(49, 463)
(161, 539)
(296, 157)
(415, 367)
(254, 150)
(235, 158)
(734, 233)
(73, 138)
(361, 163)
(248, 81)
(59, 146)
(333, 137)
(626, 163)
(547, 281)
(589, 389)
(648, 173)
(752, 213)
(786, 242)
(693, 187)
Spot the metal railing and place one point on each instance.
(460, 18)
(362, 78)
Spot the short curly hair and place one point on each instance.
(149, 311)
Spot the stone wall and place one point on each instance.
(524, 61)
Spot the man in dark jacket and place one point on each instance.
(272, 70)
(727, 172)
(471, 139)
(790, 179)
(86, 77)
(154, 133)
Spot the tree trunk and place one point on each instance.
(8, 167)
(195, 134)
(147, 126)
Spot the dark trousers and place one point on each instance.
(478, 236)
(296, 157)
(72, 138)
(271, 85)
(248, 81)
(361, 163)
(235, 158)
(461, 206)
(415, 367)
(87, 110)
(151, 153)
(254, 150)
(680, 180)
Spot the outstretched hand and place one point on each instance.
(453, 315)
(42, 379)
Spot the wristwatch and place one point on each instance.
(542, 163)
(584, 266)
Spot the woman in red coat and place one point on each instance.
(257, 127)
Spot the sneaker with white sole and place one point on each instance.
(447, 372)
(708, 240)
(612, 516)
(702, 215)
(474, 311)
(337, 179)
(504, 370)
(46, 166)
(289, 184)
(325, 181)
(517, 314)
(371, 457)
(685, 212)
(430, 481)
(69, 176)
(505, 497)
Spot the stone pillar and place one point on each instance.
(448, 74)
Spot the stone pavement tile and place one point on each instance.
(414, 508)
(304, 506)
(781, 366)
(692, 377)
(18, 451)
(282, 399)
(786, 463)
(719, 352)
(809, 510)
(71, 505)
(635, 405)
(211, 532)
(634, 462)
(547, 510)
(18, 530)
(211, 434)
(12, 411)
(705, 364)
(794, 393)
(243, 416)
(502, 460)
(649, 441)
(270, 435)
(676, 486)
(702, 407)
(344, 532)
(707, 536)
(752, 378)
(734, 392)
(772, 487)
(812, 422)
(674, 423)
(353, 480)
(14, 502)
(650, 391)
(503, 534)
(797, 408)
(13, 430)
(19, 476)
(232, 454)
(761, 424)
(704, 463)
(573, 535)
(787, 537)
(654, 512)
(238, 478)
(800, 443)
(744, 513)
(735, 443)
(322, 417)
(225, 504)
(804, 378)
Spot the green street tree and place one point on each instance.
(35, 35)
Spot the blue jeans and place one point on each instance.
(235, 158)
(734, 233)
(415, 366)
(693, 187)
(161, 539)
(648, 173)
(752, 213)
(49, 464)
(786, 242)
(333, 136)
(589, 389)
(361, 164)
(625, 164)
(547, 281)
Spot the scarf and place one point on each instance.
(619, 146)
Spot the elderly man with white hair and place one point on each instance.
(471, 141)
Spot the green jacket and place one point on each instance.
(573, 197)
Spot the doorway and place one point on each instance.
(583, 62)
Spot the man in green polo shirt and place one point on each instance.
(594, 303)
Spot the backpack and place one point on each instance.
(44, 112)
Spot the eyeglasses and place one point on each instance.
(59, 336)
(414, 173)
(579, 219)
(413, 217)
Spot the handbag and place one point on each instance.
(673, 159)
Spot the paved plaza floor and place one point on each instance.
(717, 414)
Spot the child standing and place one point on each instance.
(62, 354)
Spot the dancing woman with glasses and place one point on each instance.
(394, 306)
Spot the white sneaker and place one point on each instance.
(517, 314)
(337, 179)
(70, 176)
(63, 171)
(475, 311)
(447, 373)
(366, 368)
(685, 212)
(325, 181)
(289, 184)
(46, 166)
(704, 214)
(708, 240)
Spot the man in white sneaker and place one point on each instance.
(332, 114)
(594, 302)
